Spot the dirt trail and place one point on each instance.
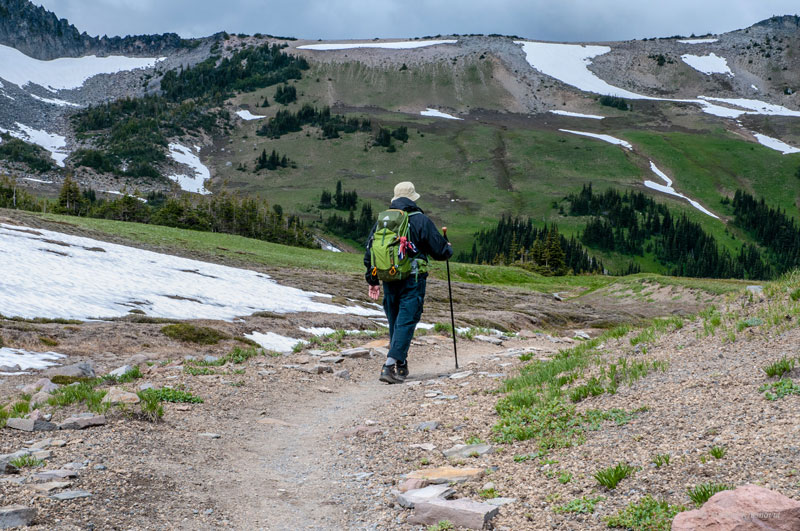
(293, 476)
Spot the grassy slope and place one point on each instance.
(276, 255)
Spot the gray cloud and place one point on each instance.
(564, 20)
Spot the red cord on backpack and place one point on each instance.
(404, 247)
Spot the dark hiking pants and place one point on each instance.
(402, 302)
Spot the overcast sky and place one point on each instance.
(557, 20)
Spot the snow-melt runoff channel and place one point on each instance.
(401, 45)
(438, 114)
(195, 183)
(668, 189)
(605, 138)
(569, 64)
(87, 279)
(66, 72)
(16, 361)
(578, 115)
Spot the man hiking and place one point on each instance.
(397, 253)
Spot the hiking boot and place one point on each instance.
(389, 375)
(402, 370)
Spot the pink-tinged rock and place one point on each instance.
(413, 484)
(430, 493)
(748, 508)
(462, 512)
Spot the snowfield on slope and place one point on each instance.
(774, 143)
(668, 189)
(605, 138)
(438, 114)
(82, 278)
(65, 72)
(708, 64)
(244, 114)
(15, 361)
(52, 142)
(195, 183)
(578, 115)
(400, 45)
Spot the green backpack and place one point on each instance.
(389, 261)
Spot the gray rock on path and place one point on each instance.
(410, 498)
(81, 422)
(748, 508)
(50, 486)
(30, 424)
(16, 516)
(344, 374)
(460, 375)
(498, 502)
(490, 339)
(331, 359)
(316, 369)
(210, 435)
(467, 450)
(71, 495)
(6, 467)
(48, 475)
(427, 426)
(78, 370)
(462, 512)
(355, 353)
(119, 371)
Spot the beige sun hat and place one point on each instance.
(405, 189)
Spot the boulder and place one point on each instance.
(16, 516)
(30, 424)
(748, 508)
(117, 395)
(119, 371)
(77, 370)
(41, 397)
(410, 498)
(462, 512)
(81, 422)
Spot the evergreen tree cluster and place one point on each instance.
(285, 94)
(516, 241)
(15, 150)
(244, 71)
(632, 223)
(273, 161)
(614, 101)
(17, 198)
(339, 200)
(771, 228)
(352, 227)
(384, 137)
(286, 121)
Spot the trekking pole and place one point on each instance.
(450, 292)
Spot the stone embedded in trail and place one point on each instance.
(50, 486)
(16, 516)
(460, 375)
(119, 371)
(467, 450)
(428, 447)
(490, 339)
(462, 512)
(412, 497)
(380, 352)
(331, 359)
(71, 495)
(748, 508)
(427, 426)
(498, 502)
(316, 369)
(78, 370)
(446, 474)
(210, 435)
(354, 353)
(344, 374)
(30, 424)
(48, 475)
(412, 484)
(42, 454)
(82, 421)
(117, 395)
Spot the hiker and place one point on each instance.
(397, 253)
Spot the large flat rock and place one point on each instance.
(446, 474)
(410, 498)
(461, 513)
(16, 516)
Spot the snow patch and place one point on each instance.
(754, 106)
(605, 138)
(668, 189)
(318, 330)
(65, 72)
(52, 142)
(54, 101)
(247, 115)
(400, 45)
(115, 192)
(774, 143)
(275, 342)
(708, 64)
(42, 279)
(23, 360)
(438, 114)
(36, 180)
(578, 115)
(184, 155)
(697, 41)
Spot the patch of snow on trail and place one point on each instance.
(318, 330)
(275, 342)
(775, 144)
(184, 155)
(708, 64)
(247, 115)
(578, 115)
(85, 284)
(23, 360)
(52, 142)
(65, 72)
(401, 45)
(605, 138)
(668, 189)
(697, 41)
(438, 114)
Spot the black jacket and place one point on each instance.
(423, 234)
